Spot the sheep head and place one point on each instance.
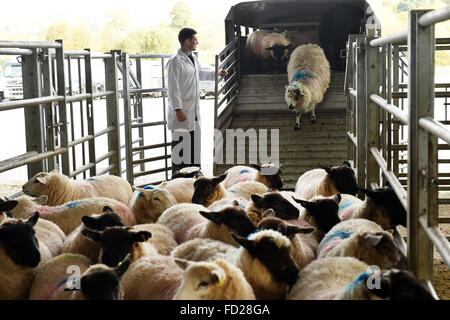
(279, 54)
(208, 190)
(101, 222)
(274, 200)
(148, 203)
(270, 175)
(288, 230)
(343, 177)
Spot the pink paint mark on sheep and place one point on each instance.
(345, 215)
(191, 232)
(328, 248)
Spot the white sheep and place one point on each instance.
(195, 221)
(309, 77)
(381, 206)
(269, 49)
(188, 172)
(327, 181)
(205, 249)
(23, 245)
(72, 277)
(347, 278)
(68, 216)
(181, 189)
(155, 277)
(148, 203)
(60, 189)
(217, 280)
(76, 242)
(266, 261)
(268, 174)
(140, 241)
(365, 240)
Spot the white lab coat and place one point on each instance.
(183, 85)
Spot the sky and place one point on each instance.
(28, 15)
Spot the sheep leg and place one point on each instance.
(297, 121)
(313, 117)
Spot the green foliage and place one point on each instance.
(181, 16)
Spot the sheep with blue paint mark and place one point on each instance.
(364, 240)
(60, 189)
(149, 203)
(68, 216)
(347, 278)
(268, 174)
(309, 78)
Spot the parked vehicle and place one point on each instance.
(12, 81)
(207, 87)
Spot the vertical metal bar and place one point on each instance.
(49, 123)
(395, 88)
(361, 110)
(383, 114)
(112, 107)
(127, 107)
(163, 75)
(62, 108)
(373, 114)
(34, 130)
(140, 113)
(90, 110)
(216, 100)
(350, 107)
(389, 116)
(421, 103)
(80, 90)
(72, 124)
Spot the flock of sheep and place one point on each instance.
(308, 69)
(233, 236)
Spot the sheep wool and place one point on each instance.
(205, 249)
(60, 189)
(309, 77)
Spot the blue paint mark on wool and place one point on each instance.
(363, 276)
(92, 179)
(341, 234)
(345, 206)
(301, 75)
(149, 187)
(244, 171)
(73, 204)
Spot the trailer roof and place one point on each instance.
(279, 13)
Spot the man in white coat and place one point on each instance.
(183, 116)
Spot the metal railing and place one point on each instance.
(375, 116)
(62, 111)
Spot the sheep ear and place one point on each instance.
(326, 168)
(305, 204)
(337, 197)
(182, 263)
(56, 170)
(89, 222)
(213, 216)
(235, 203)
(163, 184)
(123, 266)
(256, 166)
(244, 242)
(140, 236)
(346, 164)
(217, 278)
(256, 199)
(93, 235)
(373, 240)
(219, 179)
(107, 209)
(391, 231)
(291, 230)
(41, 200)
(42, 180)
(8, 205)
(367, 192)
(33, 219)
(269, 48)
(268, 213)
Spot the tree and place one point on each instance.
(181, 16)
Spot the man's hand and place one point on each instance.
(223, 73)
(181, 116)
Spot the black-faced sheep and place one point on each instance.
(321, 212)
(208, 190)
(267, 174)
(217, 280)
(7, 205)
(278, 201)
(365, 240)
(60, 189)
(76, 242)
(327, 181)
(267, 51)
(347, 278)
(267, 263)
(56, 280)
(68, 216)
(381, 206)
(309, 77)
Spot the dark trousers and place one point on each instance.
(178, 167)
